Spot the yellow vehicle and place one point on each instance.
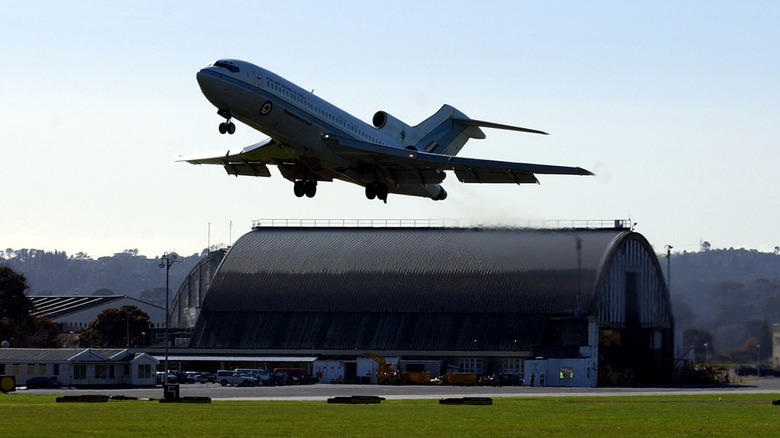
(391, 374)
(386, 374)
(415, 374)
(460, 379)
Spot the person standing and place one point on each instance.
(541, 380)
(533, 376)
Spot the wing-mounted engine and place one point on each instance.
(403, 133)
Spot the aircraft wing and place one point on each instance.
(249, 161)
(422, 167)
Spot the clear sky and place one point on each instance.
(674, 105)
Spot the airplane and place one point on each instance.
(311, 140)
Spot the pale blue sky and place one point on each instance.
(675, 106)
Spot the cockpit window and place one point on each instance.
(224, 64)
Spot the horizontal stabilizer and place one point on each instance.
(484, 124)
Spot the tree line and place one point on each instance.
(125, 273)
(727, 299)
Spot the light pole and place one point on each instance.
(165, 262)
(579, 275)
(758, 360)
(669, 267)
(706, 353)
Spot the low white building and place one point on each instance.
(79, 367)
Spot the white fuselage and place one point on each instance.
(297, 120)
(296, 117)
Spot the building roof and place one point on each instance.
(57, 306)
(403, 289)
(419, 270)
(51, 355)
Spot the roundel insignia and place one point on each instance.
(266, 108)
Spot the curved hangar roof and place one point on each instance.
(429, 289)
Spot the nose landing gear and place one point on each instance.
(226, 127)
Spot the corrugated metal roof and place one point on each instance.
(408, 270)
(56, 306)
(399, 288)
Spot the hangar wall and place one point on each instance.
(497, 296)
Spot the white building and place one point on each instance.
(78, 367)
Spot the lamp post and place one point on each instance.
(669, 267)
(165, 262)
(758, 360)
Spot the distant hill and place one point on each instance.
(730, 292)
(126, 273)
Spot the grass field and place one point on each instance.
(750, 415)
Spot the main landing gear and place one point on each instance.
(306, 187)
(227, 127)
(377, 190)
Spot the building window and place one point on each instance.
(470, 365)
(79, 372)
(30, 369)
(56, 369)
(566, 373)
(15, 368)
(144, 371)
(101, 372)
(42, 369)
(513, 366)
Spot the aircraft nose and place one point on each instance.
(211, 85)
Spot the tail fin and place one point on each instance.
(447, 131)
(443, 133)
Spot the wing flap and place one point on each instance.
(481, 175)
(246, 169)
(249, 161)
(423, 167)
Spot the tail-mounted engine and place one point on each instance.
(405, 134)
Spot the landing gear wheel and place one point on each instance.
(227, 127)
(377, 190)
(299, 189)
(310, 188)
(371, 190)
(381, 192)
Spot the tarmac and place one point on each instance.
(323, 391)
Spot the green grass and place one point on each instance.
(701, 415)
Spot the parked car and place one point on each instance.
(43, 382)
(263, 376)
(205, 378)
(228, 377)
(299, 375)
(279, 378)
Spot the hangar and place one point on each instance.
(574, 303)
